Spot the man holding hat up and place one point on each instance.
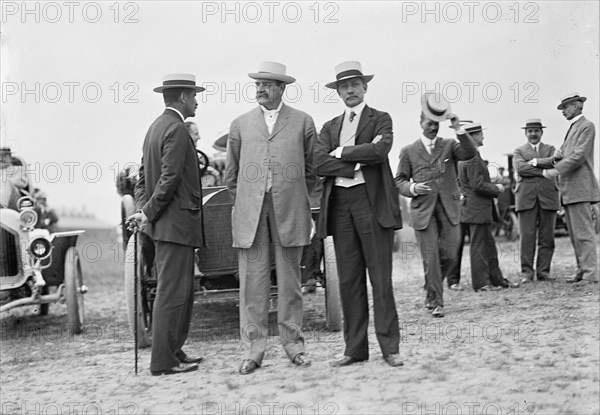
(360, 208)
(269, 175)
(574, 166)
(169, 200)
(427, 174)
(536, 202)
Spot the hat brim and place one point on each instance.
(435, 117)
(536, 126)
(568, 101)
(366, 78)
(273, 77)
(161, 88)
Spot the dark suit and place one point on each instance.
(169, 193)
(435, 216)
(478, 211)
(578, 189)
(536, 204)
(362, 220)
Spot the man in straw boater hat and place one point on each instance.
(536, 200)
(169, 201)
(427, 174)
(360, 208)
(479, 212)
(269, 174)
(574, 166)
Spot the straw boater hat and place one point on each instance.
(473, 128)
(347, 70)
(570, 98)
(533, 123)
(272, 71)
(178, 80)
(435, 107)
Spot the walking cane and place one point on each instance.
(135, 297)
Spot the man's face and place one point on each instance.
(194, 133)
(352, 91)
(189, 104)
(571, 110)
(477, 138)
(534, 135)
(269, 93)
(430, 127)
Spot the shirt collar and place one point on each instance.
(426, 141)
(275, 111)
(177, 111)
(574, 120)
(357, 110)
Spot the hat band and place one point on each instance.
(533, 125)
(349, 73)
(435, 112)
(179, 82)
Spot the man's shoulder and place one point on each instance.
(246, 116)
(585, 122)
(377, 112)
(410, 147)
(523, 147)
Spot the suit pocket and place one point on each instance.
(192, 202)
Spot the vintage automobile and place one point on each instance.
(216, 275)
(37, 267)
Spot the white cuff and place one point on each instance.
(412, 189)
(338, 152)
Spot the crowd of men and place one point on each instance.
(275, 161)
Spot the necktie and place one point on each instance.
(535, 150)
(431, 144)
(568, 131)
(352, 115)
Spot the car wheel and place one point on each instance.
(333, 301)
(144, 302)
(74, 290)
(127, 209)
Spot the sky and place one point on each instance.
(77, 77)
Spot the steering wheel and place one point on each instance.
(202, 161)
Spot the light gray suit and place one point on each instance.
(279, 216)
(579, 188)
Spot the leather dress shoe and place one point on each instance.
(545, 278)
(488, 288)
(393, 359)
(576, 278)
(456, 287)
(184, 358)
(429, 306)
(181, 368)
(438, 312)
(345, 361)
(525, 280)
(301, 360)
(509, 284)
(248, 366)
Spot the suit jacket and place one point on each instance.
(439, 169)
(168, 190)
(479, 192)
(532, 186)
(577, 181)
(383, 196)
(288, 149)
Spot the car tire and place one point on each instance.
(144, 316)
(74, 290)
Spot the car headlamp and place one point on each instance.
(28, 218)
(40, 248)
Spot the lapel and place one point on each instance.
(572, 130)
(437, 150)
(258, 121)
(365, 118)
(422, 151)
(336, 127)
(282, 120)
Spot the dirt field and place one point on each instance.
(532, 350)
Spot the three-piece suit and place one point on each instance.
(269, 176)
(435, 216)
(362, 220)
(536, 200)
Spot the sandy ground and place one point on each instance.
(532, 350)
